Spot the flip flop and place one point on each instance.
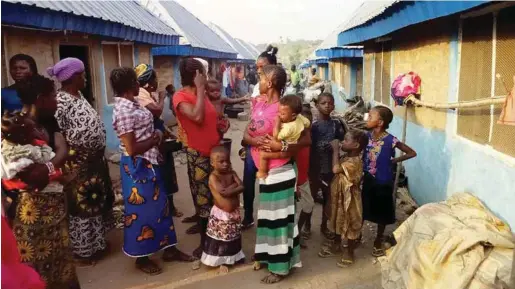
(378, 252)
(272, 279)
(344, 263)
(326, 253)
(191, 219)
(149, 267)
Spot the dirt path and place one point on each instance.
(117, 271)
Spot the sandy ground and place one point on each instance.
(117, 271)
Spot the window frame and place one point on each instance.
(119, 60)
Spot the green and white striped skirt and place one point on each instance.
(277, 242)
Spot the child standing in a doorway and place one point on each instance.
(378, 160)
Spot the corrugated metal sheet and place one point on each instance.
(195, 32)
(129, 13)
(242, 52)
(250, 50)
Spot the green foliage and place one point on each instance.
(293, 51)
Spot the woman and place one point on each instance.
(268, 57)
(147, 79)
(21, 68)
(148, 224)
(197, 117)
(40, 224)
(91, 190)
(277, 243)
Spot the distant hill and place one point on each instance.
(293, 51)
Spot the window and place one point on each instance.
(382, 69)
(115, 55)
(487, 50)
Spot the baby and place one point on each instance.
(222, 246)
(21, 147)
(288, 127)
(214, 93)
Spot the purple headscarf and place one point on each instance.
(66, 68)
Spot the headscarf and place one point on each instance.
(66, 68)
(144, 73)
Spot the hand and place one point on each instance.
(336, 169)
(260, 140)
(271, 145)
(297, 193)
(200, 80)
(158, 137)
(35, 175)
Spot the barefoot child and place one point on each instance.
(378, 160)
(213, 91)
(345, 205)
(288, 127)
(223, 237)
(324, 130)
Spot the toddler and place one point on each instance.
(288, 127)
(222, 246)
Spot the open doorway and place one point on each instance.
(82, 53)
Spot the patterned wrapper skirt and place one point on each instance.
(277, 242)
(41, 230)
(148, 225)
(223, 238)
(91, 202)
(199, 169)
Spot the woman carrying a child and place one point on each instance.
(276, 213)
(40, 223)
(197, 119)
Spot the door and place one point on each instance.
(82, 53)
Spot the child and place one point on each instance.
(288, 128)
(213, 91)
(223, 237)
(306, 201)
(345, 205)
(324, 130)
(378, 160)
(21, 147)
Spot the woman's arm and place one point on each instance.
(134, 148)
(227, 100)
(272, 145)
(60, 150)
(409, 153)
(252, 141)
(196, 112)
(155, 108)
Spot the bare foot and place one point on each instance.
(173, 254)
(347, 258)
(272, 279)
(196, 265)
(148, 266)
(261, 175)
(223, 270)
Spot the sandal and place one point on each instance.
(191, 219)
(378, 252)
(272, 279)
(176, 213)
(174, 254)
(344, 263)
(257, 266)
(195, 229)
(148, 266)
(326, 253)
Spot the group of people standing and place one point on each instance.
(62, 195)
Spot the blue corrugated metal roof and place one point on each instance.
(197, 33)
(242, 52)
(319, 60)
(340, 52)
(376, 19)
(129, 13)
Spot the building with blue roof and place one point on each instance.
(103, 34)
(463, 51)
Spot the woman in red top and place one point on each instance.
(197, 131)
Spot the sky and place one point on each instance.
(265, 21)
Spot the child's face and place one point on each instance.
(221, 162)
(264, 83)
(325, 105)
(349, 144)
(374, 119)
(286, 114)
(213, 92)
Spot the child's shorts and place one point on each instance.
(378, 201)
(306, 202)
